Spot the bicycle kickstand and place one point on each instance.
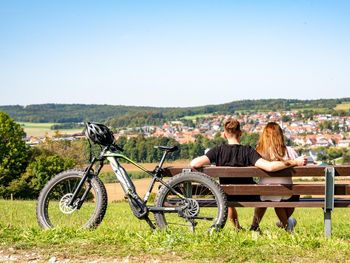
(149, 222)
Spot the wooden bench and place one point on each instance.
(324, 192)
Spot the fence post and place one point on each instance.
(329, 200)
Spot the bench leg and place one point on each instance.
(327, 223)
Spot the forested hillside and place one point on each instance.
(121, 116)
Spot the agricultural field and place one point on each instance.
(121, 237)
(343, 106)
(41, 129)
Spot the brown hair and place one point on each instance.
(232, 127)
(271, 144)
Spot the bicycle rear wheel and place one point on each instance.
(53, 210)
(204, 208)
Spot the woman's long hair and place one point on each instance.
(271, 145)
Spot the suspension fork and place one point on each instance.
(81, 183)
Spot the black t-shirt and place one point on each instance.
(233, 155)
(236, 155)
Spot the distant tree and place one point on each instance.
(217, 140)
(184, 151)
(326, 125)
(286, 118)
(76, 149)
(346, 158)
(14, 153)
(334, 153)
(198, 147)
(250, 139)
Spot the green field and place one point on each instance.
(41, 129)
(194, 117)
(121, 236)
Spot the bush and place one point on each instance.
(37, 174)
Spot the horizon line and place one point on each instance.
(144, 106)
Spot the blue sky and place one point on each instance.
(172, 53)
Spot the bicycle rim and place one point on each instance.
(59, 214)
(199, 211)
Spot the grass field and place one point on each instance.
(40, 129)
(193, 117)
(123, 237)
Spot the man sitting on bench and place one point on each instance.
(238, 155)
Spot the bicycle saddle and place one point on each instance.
(167, 148)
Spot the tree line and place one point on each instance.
(134, 116)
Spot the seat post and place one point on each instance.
(163, 159)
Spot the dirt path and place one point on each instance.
(39, 255)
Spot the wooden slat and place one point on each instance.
(302, 203)
(276, 190)
(225, 171)
(256, 172)
(275, 204)
(342, 170)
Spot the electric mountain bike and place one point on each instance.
(78, 199)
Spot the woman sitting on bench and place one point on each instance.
(271, 146)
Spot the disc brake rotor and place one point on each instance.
(64, 206)
(191, 209)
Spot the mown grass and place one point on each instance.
(120, 234)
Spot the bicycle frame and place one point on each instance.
(125, 180)
(129, 187)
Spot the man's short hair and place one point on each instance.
(232, 126)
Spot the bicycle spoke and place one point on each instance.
(201, 212)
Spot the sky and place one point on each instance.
(172, 53)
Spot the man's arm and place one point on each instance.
(279, 165)
(199, 161)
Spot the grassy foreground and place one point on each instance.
(121, 235)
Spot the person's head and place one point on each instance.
(232, 129)
(271, 145)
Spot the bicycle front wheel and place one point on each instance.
(203, 208)
(53, 209)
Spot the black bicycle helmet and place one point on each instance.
(99, 133)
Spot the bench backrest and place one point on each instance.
(314, 191)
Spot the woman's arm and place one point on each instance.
(279, 165)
